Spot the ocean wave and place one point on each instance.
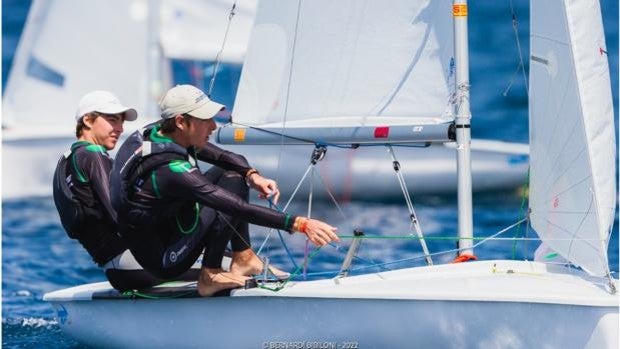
(31, 322)
(38, 322)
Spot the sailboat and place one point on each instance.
(484, 303)
(55, 65)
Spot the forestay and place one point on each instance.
(572, 143)
(347, 64)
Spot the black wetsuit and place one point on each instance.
(173, 211)
(85, 171)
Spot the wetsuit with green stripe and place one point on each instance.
(83, 174)
(174, 210)
(86, 174)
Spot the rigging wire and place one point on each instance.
(413, 217)
(288, 89)
(296, 272)
(521, 65)
(218, 57)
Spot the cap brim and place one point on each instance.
(206, 111)
(130, 113)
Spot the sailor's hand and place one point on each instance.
(267, 188)
(319, 233)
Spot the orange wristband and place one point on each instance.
(300, 224)
(304, 225)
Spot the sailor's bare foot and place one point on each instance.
(212, 281)
(247, 263)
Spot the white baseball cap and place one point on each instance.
(103, 102)
(187, 99)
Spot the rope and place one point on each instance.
(218, 57)
(288, 90)
(381, 265)
(293, 274)
(524, 194)
(284, 210)
(135, 294)
(450, 238)
(521, 65)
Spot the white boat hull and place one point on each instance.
(493, 304)
(378, 323)
(28, 166)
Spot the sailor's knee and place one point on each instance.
(232, 175)
(235, 183)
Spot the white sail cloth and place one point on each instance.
(325, 63)
(572, 142)
(68, 48)
(195, 29)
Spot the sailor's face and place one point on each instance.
(107, 128)
(200, 130)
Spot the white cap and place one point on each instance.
(103, 102)
(187, 99)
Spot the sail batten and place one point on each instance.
(572, 141)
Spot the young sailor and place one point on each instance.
(81, 189)
(169, 210)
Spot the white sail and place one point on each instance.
(572, 143)
(348, 63)
(57, 35)
(195, 29)
(69, 47)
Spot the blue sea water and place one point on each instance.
(37, 257)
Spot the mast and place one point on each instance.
(463, 131)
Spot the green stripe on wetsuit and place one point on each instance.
(89, 147)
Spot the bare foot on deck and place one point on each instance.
(247, 263)
(212, 281)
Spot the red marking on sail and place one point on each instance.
(601, 51)
(382, 132)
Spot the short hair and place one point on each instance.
(80, 126)
(169, 125)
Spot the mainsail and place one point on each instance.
(325, 64)
(572, 142)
